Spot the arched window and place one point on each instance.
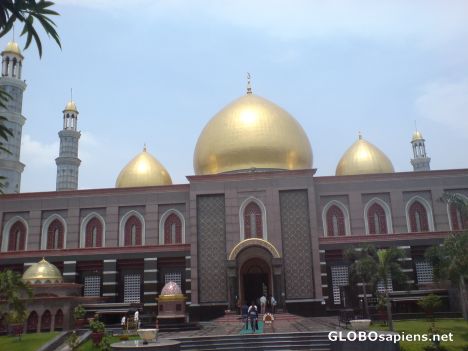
(418, 218)
(31, 324)
(133, 231)
(335, 221)
(58, 325)
(55, 235)
(46, 321)
(17, 237)
(253, 225)
(377, 219)
(173, 229)
(457, 218)
(93, 233)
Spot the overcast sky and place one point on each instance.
(155, 72)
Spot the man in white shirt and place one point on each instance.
(263, 301)
(136, 319)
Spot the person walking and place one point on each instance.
(123, 323)
(273, 304)
(136, 319)
(245, 315)
(253, 316)
(263, 301)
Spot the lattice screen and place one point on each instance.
(340, 277)
(381, 286)
(173, 277)
(132, 287)
(92, 285)
(424, 272)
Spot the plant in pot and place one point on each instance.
(98, 328)
(79, 314)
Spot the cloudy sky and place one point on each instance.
(155, 72)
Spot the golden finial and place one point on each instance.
(249, 86)
(144, 147)
(360, 135)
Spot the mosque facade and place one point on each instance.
(253, 219)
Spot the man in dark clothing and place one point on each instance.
(245, 315)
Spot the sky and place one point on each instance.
(155, 72)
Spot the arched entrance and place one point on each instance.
(255, 279)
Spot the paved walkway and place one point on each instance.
(299, 324)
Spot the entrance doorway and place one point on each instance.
(255, 279)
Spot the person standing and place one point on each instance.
(245, 315)
(123, 323)
(273, 304)
(263, 301)
(136, 319)
(253, 316)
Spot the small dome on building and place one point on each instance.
(13, 48)
(417, 136)
(251, 133)
(363, 158)
(43, 272)
(170, 289)
(71, 106)
(143, 170)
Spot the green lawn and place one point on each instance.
(88, 345)
(458, 327)
(28, 342)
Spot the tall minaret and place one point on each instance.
(68, 162)
(10, 165)
(420, 161)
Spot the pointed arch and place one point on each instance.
(46, 227)
(372, 214)
(95, 220)
(31, 323)
(456, 219)
(20, 227)
(58, 320)
(254, 218)
(419, 215)
(134, 217)
(163, 228)
(329, 211)
(46, 321)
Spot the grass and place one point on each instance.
(88, 345)
(458, 327)
(28, 342)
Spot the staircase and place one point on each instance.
(316, 341)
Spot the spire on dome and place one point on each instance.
(249, 86)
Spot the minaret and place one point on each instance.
(10, 81)
(420, 161)
(68, 162)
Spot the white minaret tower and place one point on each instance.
(420, 161)
(68, 162)
(10, 81)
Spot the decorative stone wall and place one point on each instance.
(211, 232)
(297, 250)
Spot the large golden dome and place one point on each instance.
(251, 133)
(43, 272)
(143, 170)
(363, 158)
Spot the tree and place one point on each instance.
(363, 269)
(13, 291)
(388, 269)
(25, 12)
(450, 260)
(429, 304)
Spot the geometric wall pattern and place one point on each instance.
(339, 278)
(424, 272)
(297, 251)
(211, 232)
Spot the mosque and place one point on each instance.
(253, 219)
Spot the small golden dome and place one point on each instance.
(13, 48)
(251, 133)
(417, 136)
(71, 106)
(42, 272)
(143, 170)
(363, 158)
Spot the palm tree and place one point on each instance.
(388, 269)
(363, 269)
(450, 260)
(13, 291)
